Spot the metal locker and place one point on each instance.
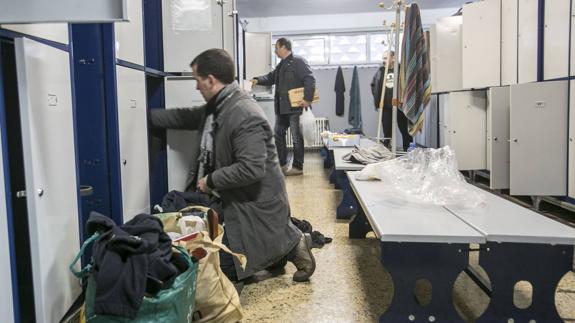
(509, 12)
(538, 132)
(444, 131)
(481, 43)
(468, 127)
(572, 58)
(498, 136)
(258, 54)
(572, 140)
(527, 37)
(556, 39)
(45, 96)
(133, 125)
(182, 144)
(6, 300)
(447, 55)
(57, 32)
(184, 39)
(130, 35)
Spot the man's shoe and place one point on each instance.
(303, 259)
(285, 169)
(294, 172)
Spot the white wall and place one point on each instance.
(325, 82)
(335, 23)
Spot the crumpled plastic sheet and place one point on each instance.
(426, 176)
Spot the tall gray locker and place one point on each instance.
(467, 128)
(133, 141)
(538, 132)
(498, 136)
(6, 301)
(181, 149)
(45, 95)
(572, 140)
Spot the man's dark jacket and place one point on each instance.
(247, 176)
(291, 73)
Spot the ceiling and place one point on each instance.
(275, 8)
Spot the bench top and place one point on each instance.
(398, 220)
(363, 142)
(341, 164)
(501, 220)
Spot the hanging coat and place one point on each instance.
(414, 75)
(354, 118)
(247, 176)
(339, 93)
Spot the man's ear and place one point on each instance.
(212, 80)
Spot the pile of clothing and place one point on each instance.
(131, 261)
(317, 238)
(369, 155)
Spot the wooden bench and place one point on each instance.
(432, 242)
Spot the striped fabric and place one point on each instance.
(414, 76)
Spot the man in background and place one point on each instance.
(387, 115)
(292, 72)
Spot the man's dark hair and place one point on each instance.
(216, 62)
(284, 42)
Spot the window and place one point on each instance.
(339, 49)
(348, 49)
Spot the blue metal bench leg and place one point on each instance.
(359, 225)
(408, 262)
(326, 159)
(347, 208)
(541, 265)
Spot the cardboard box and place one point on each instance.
(296, 96)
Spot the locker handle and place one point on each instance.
(495, 139)
(514, 140)
(124, 162)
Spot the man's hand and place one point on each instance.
(202, 186)
(304, 104)
(254, 82)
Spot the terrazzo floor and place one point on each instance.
(350, 284)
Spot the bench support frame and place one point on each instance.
(541, 265)
(348, 206)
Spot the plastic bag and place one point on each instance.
(426, 176)
(308, 127)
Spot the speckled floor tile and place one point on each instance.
(350, 284)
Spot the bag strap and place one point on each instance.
(185, 254)
(195, 207)
(86, 270)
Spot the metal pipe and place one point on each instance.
(395, 100)
(382, 97)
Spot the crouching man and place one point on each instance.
(238, 160)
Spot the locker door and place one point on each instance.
(50, 166)
(258, 54)
(468, 123)
(498, 136)
(572, 140)
(527, 41)
(448, 54)
(556, 57)
(509, 42)
(185, 37)
(538, 119)
(132, 119)
(130, 35)
(6, 301)
(444, 133)
(481, 43)
(181, 149)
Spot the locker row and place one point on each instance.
(502, 42)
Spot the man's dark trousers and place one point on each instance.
(283, 122)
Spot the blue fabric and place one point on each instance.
(354, 118)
